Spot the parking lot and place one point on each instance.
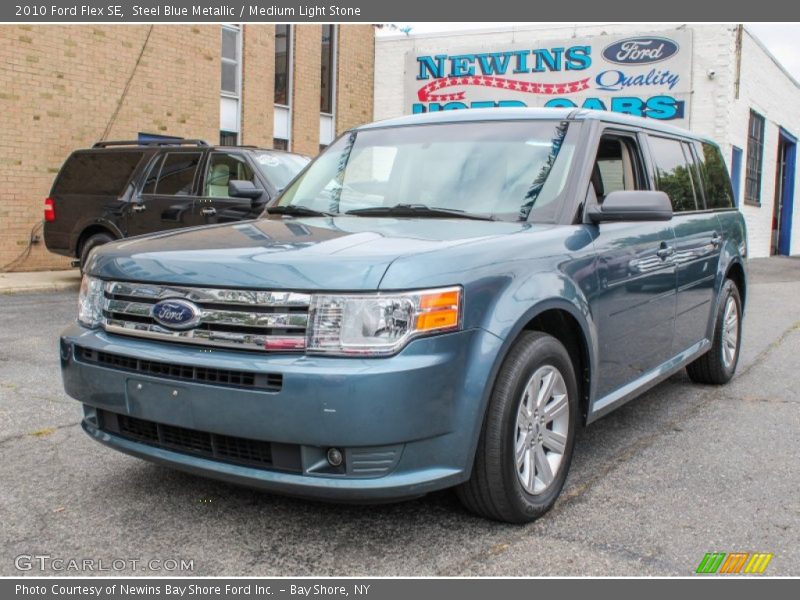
(679, 472)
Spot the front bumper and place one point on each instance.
(417, 414)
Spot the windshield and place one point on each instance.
(280, 167)
(503, 169)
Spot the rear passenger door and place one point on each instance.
(166, 198)
(697, 237)
(215, 204)
(635, 305)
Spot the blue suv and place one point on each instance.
(436, 301)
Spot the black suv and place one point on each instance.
(118, 189)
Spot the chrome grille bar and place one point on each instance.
(154, 293)
(243, 318)
(238, 319)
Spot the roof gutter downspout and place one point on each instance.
(736, 81)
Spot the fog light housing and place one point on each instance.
(335, 457)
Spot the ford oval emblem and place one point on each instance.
(176, 313)
(640, 51)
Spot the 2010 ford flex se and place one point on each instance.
(438, 300)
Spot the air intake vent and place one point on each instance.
(242, 451)
(271, 382)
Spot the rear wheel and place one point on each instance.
(92, 242)
(525, 447)
(718, 365)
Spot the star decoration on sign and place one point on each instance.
(428, 92)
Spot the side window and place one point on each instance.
(716, 182)
(97, 172)
(673, 173)
(222, 168)
(616, 166)
(175, 175)
(152, 176)
(694, 173)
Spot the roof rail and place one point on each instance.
(175, 142)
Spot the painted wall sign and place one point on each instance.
(644, 75)
(640, 51)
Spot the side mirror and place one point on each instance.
(241, 188)
(633, 205)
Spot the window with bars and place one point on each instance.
(755, 159)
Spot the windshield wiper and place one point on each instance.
(417, 210)
(297, 210)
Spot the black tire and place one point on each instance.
(494, 489)
(712, 368)
(92, 242)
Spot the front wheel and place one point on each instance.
(525, 447)
(718, 365)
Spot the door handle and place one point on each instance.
(664, 252)
(139, 207)
(208, 212)
(716, 240)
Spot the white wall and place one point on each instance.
(770, 92)
(714, 110)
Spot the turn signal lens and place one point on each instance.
(448, 299)
(439, 310)
(441, 319)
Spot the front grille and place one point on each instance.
(236, 450)
(240, 319)
(271, 382)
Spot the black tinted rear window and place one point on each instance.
(673, 172)
(719, 193)
(97, 173)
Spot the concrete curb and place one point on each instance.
(39, 281)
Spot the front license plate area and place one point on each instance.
(163, 403)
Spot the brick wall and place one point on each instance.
(307, 50)
(60, 87)
(354, 78)
(258, 84)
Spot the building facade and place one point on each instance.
(717, 80)
(65, 87)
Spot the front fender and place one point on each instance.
(571, 300)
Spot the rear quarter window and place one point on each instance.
(673, 172)
(717, 182)
(97, 173)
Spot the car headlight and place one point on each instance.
(379, 324)
(90, 302)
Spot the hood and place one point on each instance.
(314, 253)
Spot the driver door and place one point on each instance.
(215, 204)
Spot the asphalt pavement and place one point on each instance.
(681, 471)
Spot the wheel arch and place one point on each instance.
(91, 230)
(564, 321)
(736, 273)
